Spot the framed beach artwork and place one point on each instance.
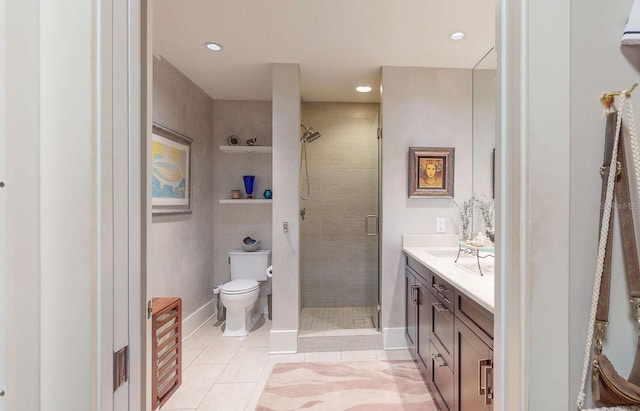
(170, 172)
(431, 172)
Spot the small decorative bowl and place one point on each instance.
(249, 244)
(233, 140)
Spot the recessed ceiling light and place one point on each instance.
(213, 46)
(363, 89)
(458, 35)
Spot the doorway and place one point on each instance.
(339, 219)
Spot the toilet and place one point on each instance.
(241, 293)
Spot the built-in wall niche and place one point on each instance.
(246, 150)
(484, 93)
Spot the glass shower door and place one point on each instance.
(378, 309)
(339, 220)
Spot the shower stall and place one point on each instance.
(339, 202)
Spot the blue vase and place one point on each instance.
(248, 185)
(267, 194)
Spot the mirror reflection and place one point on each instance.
(483, 129)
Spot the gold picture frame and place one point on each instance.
(431, 172)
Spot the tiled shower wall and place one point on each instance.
(339, 261)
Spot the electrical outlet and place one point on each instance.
(440, 225)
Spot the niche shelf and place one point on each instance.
(246, 149)
(246, 201)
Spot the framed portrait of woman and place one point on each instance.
(431, 172)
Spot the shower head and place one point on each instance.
(309, 135)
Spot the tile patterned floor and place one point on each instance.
(330, 318)
(229, 374)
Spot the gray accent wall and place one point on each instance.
(233, 222)
(181, 246)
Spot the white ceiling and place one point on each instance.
(339, 44)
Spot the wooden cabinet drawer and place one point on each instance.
(420, 270)
(442, 329)
(442, 290)
(443, 379)
(474, 316)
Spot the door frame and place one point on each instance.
(3, 216)
(378, 318)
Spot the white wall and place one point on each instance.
(23, 207)
(555, 68)
(58, 78)
(598, 64)
(68, 203)
(422, 107)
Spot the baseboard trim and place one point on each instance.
(283, 342)
(394, 339)
(193, 322)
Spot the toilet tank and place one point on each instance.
(249, 264)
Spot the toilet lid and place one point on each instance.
(239, 286)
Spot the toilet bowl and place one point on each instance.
(239, 298)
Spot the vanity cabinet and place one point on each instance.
(451, 336)
(474, 351)
(442, 340)
(417, 305)
(474, 370)
(411, 310)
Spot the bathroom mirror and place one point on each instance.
(484, 130)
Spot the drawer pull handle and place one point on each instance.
(440, 288)
(440, 307)
(437, 358)
(483, 389)
(414, 294)
(488, 396)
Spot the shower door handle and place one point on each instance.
(366, 225)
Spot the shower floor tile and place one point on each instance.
(336, 318)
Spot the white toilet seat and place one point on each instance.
(242, 286)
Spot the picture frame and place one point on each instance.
(431, 172)
(170, 172)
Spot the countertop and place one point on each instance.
(464, 275)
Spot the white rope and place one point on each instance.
(635, 147)
(602, 244)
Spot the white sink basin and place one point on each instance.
(466, 261)
(444, 253)
(471, 264)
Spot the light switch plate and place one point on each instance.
(440, 225)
